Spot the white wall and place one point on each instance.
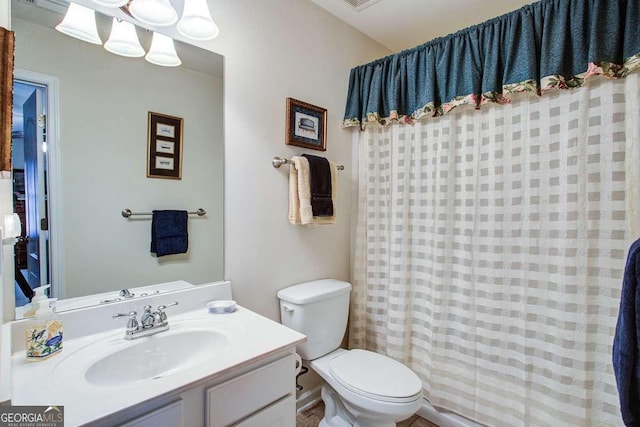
(275, 49)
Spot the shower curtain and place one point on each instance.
(490, 248)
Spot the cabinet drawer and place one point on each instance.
(234, 400)
(167, 416)
(279, 414)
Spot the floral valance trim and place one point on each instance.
(555, 82)
(545, 45)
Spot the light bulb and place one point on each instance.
(111, 3)
(154, 12)
(80, 22)
(196, 22)
(162, 51)
(124, 40)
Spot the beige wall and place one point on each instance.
(275, 49)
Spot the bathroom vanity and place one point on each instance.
(206, 370)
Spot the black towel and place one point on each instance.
(320, 185)
(169, 233)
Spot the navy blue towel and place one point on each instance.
(169, 233)
(320, 185)
(626, 344)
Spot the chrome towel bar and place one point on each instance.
(126, 213)
(279, 161)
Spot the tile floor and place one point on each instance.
(312, 416)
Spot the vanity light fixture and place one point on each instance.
(196, 22)
(80, 22)
(123, 40)
(162, 51)
(153, 12)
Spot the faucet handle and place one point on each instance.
(126, 294)
(132, 323)
(131, 314)
(161, 308)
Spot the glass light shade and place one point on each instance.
(196, 22)
(123, 40)
(111, 3)
(12, 226)
(154, 12)
(80, 22)
(162, 51)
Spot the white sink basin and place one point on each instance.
(116, 362)
(156, 357)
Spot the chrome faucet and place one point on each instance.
(126, 294)
(150, 322)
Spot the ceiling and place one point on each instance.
(403, 24)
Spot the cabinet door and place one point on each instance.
(280, 414)
(236, 399)
(166, 416)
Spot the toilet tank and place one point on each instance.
(318, 309)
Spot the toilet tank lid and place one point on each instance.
(317, 290)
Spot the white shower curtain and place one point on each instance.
(490, 247)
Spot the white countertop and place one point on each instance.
(39, 383)
(95, 299)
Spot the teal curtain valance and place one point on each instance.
(551, 44)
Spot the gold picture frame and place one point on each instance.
(306, 125)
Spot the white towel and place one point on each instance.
(300, 211)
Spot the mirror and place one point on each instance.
(95, 163)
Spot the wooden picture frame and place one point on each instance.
(164, 147)
(306, 125)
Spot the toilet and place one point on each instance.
(362, 388)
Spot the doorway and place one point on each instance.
(30, 187)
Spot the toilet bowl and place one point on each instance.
(366, 389)
(362, 388)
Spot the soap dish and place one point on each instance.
(219, 307)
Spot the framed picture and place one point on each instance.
(164, 149)
(306, 125)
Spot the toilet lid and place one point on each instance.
(375, 376)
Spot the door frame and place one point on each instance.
(54, 175)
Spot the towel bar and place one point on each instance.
(126, 213)
(279, 161)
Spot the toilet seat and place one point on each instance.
(375, 376)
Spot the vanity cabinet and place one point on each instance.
(261, 394)
(236, 369)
